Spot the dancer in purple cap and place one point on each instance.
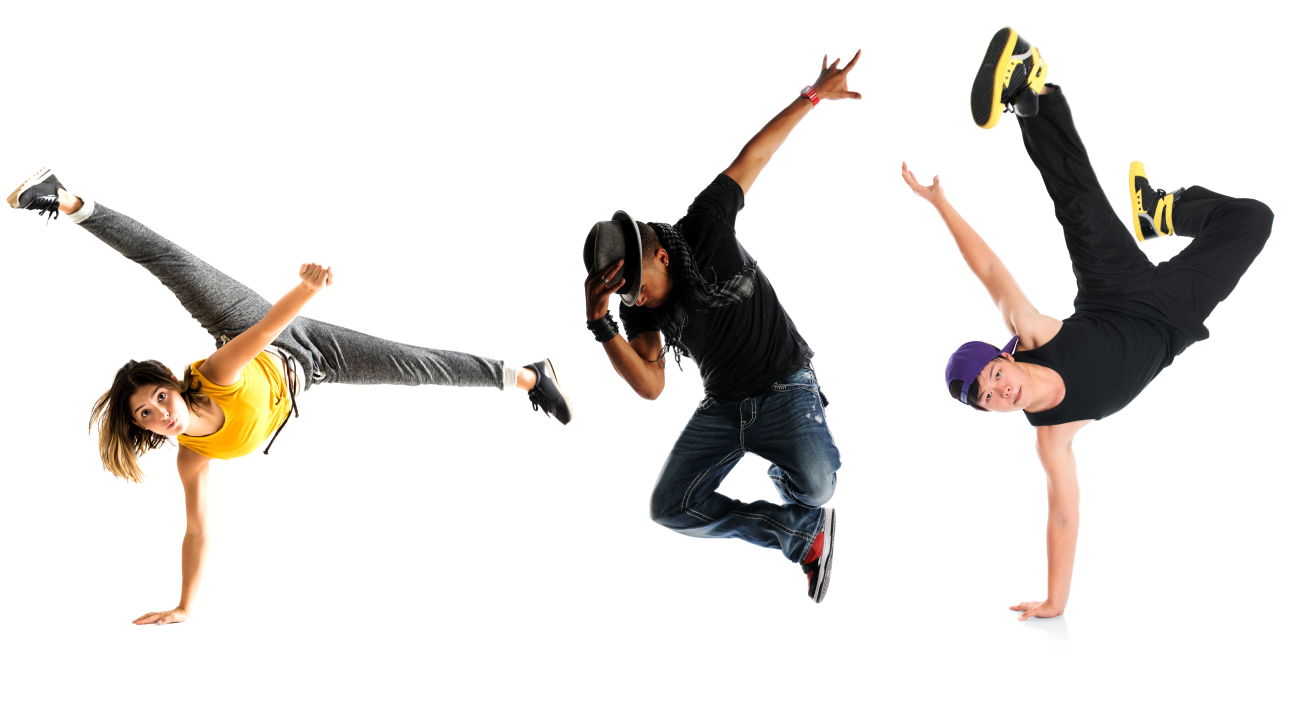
(1132, 318)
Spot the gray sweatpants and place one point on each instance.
(329, 353)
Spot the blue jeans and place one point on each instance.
(786, 425)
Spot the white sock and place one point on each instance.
(87, 209)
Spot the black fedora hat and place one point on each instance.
(612, 240)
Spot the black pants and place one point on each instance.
(1111, 270)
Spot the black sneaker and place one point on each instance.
(1153, 208)
(819, 562)
(547, 393)
(39, 193)
(1009, 79)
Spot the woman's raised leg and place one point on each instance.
(222, 305)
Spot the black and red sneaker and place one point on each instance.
(547, 393)
(820, 559)
(39, 193)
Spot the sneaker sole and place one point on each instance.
(986, 93)
(1144, 227)
(18, 192)
(558, 382)
(827, 558)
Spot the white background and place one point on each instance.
(449, 544)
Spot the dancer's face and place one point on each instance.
(657, 281)
(1002, 386)
(161, 410)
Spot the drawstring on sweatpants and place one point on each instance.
(292, 386)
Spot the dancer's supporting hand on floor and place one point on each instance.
(161, 411)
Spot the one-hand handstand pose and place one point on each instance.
(229, 403)
(697, 285)
(1131, 317)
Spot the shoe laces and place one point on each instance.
(46, 204)
(537, 399)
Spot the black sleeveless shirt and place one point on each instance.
(1106, 359)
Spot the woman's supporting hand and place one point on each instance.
(159, 618)
(598, 287)
(832, 83)
(315, 276)
(1038, 609)
(933, 193)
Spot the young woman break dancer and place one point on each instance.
(1132, 318)
(228, 404)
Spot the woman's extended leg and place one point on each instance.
(1103, 253)
(226, 308)
(339, 355)
(343, 356)
(222, 305)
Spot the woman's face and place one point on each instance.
(161, 410)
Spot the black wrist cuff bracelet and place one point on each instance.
(604, 328)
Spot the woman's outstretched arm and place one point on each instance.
(194, 470)
(223, 367)
(1020, 315)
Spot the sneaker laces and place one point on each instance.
(46, 204)
(537, 399)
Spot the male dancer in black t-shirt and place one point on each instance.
(695, 283)
(1131, 317)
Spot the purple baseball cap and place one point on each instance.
(968, 361)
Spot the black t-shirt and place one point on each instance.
(741, 349)
(1105, 358)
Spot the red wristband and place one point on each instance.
(810, 93)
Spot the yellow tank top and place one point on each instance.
(255, 406)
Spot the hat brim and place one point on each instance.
(633, 269)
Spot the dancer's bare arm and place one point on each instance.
(223, 367)
(194, 470)
(1054, 451)
(1020, 315)
(831, 84)
(636, 361)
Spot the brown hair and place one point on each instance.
(121, 439)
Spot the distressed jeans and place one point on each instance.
(787, 426)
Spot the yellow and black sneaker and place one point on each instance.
(1153, 208)
(1009, 79)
